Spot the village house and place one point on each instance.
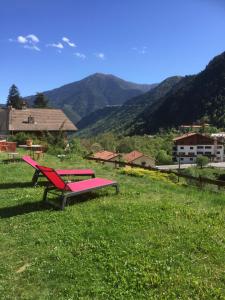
(189, 146)
(34, 120)
(107, 155)
(193, 127)
(138, 158)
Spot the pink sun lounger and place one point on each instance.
(68, 190)
(67, 172)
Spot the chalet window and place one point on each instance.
(208, 153)
(199, 152)
(208, 147)
(191, 147)
(219, 147)
(218, 152)
(143, 163)
(200, 147)
(181, 158)
(181, 147)
(191, 159)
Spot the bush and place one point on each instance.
(75, 147)
(124, 147)
(96, 147)
(21, 137)
(202, 161)
(163, 158)
(154, 175)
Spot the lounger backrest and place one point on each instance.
(30, 161)
(53, 177)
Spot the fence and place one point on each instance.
(200, 181)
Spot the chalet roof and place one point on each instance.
(194, 138)
(107, 155)
(129, 157)
(184, 136)
(40, 120)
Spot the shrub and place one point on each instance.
(75, 147)
(124, 147)
(163, 158)
(96, 147)
(21, 137)
(154, 175)
(202, 161)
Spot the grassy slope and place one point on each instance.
(152, 241)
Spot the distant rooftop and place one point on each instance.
(106, 155)
(129, 157)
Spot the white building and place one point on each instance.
(188, 146)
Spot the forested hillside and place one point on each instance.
(200, 96)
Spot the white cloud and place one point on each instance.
(29, 41)
(68, 42)
(100, 55)
(80, 55)
(33, 38)
(22, 39)
(56, 45)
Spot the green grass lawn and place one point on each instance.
(154, 240)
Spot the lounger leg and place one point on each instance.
(93, 176)
(45, 195)
(64, 200)
(117, 189)
(35, 177)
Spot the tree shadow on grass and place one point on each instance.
(29, 207)
(21, 209)
(13, 185)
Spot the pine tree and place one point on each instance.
(14, 98)
(40, 101)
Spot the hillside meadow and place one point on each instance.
(154, 240)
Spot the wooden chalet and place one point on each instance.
(34, 120)
(188, 146)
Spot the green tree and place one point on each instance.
(96, 147)
(40, 101)
(202, 161)
(163, 158)
(14, 99)
(124, 147)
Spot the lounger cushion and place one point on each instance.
(85, 185)
(77, 172)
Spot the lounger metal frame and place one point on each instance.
(64, 195)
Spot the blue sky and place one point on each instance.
(48, 43)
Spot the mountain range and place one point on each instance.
(94, 92)
(121, 119)
(175, 101)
